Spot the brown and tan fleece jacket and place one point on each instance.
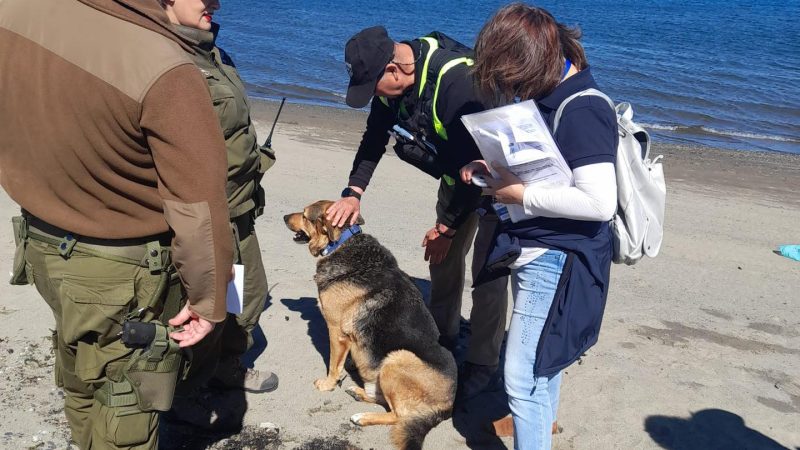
(107, 130)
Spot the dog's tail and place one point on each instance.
(410, 431)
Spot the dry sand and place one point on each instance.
(700, 347)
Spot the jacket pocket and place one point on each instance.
(225, 106)
(129, 427)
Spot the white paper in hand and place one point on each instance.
(516, 136)
(235, 297)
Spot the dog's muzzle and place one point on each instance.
(301, 237)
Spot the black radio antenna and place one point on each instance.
(268, 142)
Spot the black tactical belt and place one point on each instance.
(164, 239)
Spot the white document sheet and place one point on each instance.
(235, 295)
(517, 137)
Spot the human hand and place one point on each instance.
(436, 244)
(195, 328)
(477, 167)
(344, 208)
(507, 189)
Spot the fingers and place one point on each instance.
(195, 328)
(466, 174)
(475, 167)
(193, 332)
(181, 318)
(331, 211)
(342, 210)
(337, 213)
(334, 213)
(354, 217)
(346, 214)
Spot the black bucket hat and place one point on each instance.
(366, 54)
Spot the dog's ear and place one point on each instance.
(315, 211)
(333, 232)
(360, 220)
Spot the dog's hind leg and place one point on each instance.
(374, 418)
(420, 395)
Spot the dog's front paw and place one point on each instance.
(325, 384)
(356, 418)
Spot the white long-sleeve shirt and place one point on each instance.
(593, 197)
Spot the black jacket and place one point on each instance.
(457, 97)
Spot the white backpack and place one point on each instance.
(638, 225)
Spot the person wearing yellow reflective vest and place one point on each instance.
(424, 86)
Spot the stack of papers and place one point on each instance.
(517, 137)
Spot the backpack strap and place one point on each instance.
(563, 105)
(624, 114)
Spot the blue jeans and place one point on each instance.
(533, 399)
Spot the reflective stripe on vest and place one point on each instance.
(437, 124)
(434, 45)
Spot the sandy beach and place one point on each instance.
(700, 347)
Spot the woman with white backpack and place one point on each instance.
(560, 260)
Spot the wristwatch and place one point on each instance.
(349, 192)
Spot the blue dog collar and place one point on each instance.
(346, 234)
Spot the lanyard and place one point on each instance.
(567, 65)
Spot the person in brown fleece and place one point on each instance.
(109, 143)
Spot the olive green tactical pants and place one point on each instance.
(89, 297)
(237, 336)
(489, 300)
(222, 348)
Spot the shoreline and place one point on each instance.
(656, 132)
(755, 173)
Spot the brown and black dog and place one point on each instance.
(376, 313)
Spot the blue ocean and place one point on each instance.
(717, 73)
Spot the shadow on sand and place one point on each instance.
(709, 429)
(317, 328)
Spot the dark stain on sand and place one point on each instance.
(777, 405)
(716, 313)
(773, 329)
(678, 333)
(784, 384)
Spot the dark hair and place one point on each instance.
(520, 52)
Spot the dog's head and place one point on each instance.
(312, 227)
